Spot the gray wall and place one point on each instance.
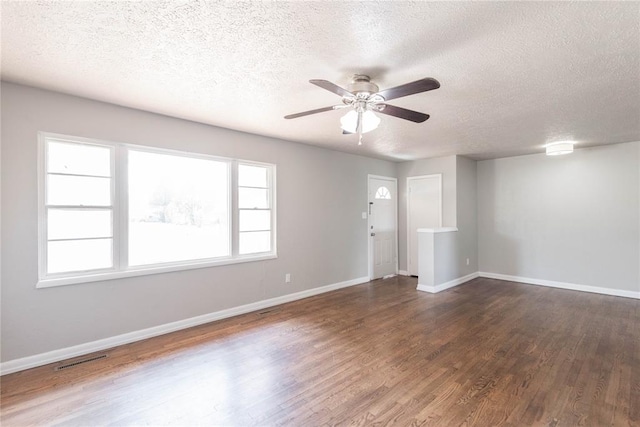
(573, 219)
(467, 217)
(446, 249)
(439, 165)
(322, 238)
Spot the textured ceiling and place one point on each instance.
(514, 75)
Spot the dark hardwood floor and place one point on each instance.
(487, 353)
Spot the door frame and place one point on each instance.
(369, 240)
(415, 178)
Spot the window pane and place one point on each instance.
(79, 255)
(252, 176)
(79, 159)
(383, 193)
(254, 242)
(178, 208)
(250, 198)
(255, 220)
(77, 224)
(78, 191)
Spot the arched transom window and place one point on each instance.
(383, 193)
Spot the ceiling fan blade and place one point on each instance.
(410, 88)
(403, 113)
(325, 84)
(306, 113)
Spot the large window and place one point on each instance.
(115, 210)
(178, 208)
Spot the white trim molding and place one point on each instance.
(447, 285)
(437, 230)
(106, 343)
(403, 272)
(562, 285)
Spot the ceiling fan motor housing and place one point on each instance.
(362, 84)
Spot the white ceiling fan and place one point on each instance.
(364, 98)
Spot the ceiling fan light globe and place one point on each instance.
(349, 121)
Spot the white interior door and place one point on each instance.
(383, 235)
(424, 210)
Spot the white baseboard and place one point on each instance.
(450, 284)
(562, 285)
(403, 272)
(103, 344)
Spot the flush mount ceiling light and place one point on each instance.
(364, 98)
(559, 148)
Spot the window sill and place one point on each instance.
(144, 271)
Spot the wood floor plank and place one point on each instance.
(487, 353)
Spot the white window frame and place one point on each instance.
(236, 208)
(119, 208)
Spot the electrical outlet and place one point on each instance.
(467, 261)
(287, 278)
